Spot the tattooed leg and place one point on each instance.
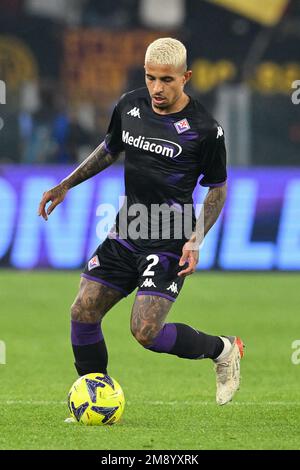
(147, 319)
(93, 301)
(148, 327)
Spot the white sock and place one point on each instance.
(227, 347)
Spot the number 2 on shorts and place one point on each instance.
(154, 260)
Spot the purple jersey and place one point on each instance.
(165, 157)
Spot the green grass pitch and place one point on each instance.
(170, 401)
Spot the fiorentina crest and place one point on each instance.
(94, 263)
(182, 126)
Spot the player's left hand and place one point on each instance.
(190, 255)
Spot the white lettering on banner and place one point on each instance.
(288, 238)
(238, 251)
(69, 238)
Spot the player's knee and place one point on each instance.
(145, 336)
(77, 311)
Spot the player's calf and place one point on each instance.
(149, 328)
(90, 306)
(147, 319)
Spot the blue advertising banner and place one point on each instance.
(259, 228)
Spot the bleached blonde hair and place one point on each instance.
(167, 51)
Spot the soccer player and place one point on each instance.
(170, 142)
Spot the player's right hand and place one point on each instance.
(55, 195)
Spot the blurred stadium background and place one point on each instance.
(63, 65)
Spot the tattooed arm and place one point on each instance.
(213, 204)
(212, 207)
(95, 163)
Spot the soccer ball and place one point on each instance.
(96, 399)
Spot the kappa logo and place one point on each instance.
(220, 132)
(173, 288)
(182, 126)
(134, 112)
(93, 263)
(148, 283)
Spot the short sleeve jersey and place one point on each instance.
(165, 157)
